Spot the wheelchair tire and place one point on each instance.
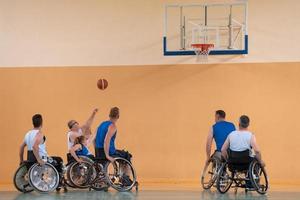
(21, 181)
(89, 174)
(213, 171)
(117, 179)
(100, 184)
(256, 174)
(224, 175)
(39, 182)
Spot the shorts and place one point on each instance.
(122, 154)
(118, 153)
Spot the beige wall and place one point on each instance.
(166, 112)
(118, 32)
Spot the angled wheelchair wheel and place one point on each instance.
(43, 178)
(21, 179)
(210, 173)
(225, 179)
(80, 175)
(100, 184)
(120, 175)
(258, 177)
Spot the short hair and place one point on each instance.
(244, 121)
(37, 120)
(71, 123)
(221, 113)
(79, 140)
(114, 113)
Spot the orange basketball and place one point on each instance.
(102, 84)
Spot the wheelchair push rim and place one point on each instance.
(80, 175)
(210, 173)
(225, 179)
(43, 178)
(258, 177)
(21, 179)
(120, 175)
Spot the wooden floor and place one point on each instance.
(152, 192)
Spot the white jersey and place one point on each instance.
(29, 141)
(71, 141)
(240, 140)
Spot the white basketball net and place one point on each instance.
(202, 51)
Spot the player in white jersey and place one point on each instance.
(242, 140)
(76, 130)
(36, 147)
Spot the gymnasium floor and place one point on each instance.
(158, 192)
(149, 194)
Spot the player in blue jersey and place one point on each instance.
(105, 138)
(218, 132)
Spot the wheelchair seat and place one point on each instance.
(239, 160)
(101, 160)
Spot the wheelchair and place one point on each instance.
(210, 171)
(79, 174)
(100, 174)
(48, 177)
(244, 172)
(45, 178)
(21, 179)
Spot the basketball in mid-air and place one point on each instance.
(102, 84)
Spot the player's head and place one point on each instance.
(114, 113)
(80, 140)
(244, 121)
(73, 125)
(37, 120)
(220, 115)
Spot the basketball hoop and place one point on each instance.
(202, 50)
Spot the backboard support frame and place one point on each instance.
(183, 51)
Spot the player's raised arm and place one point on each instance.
(90, 120)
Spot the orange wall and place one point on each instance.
(166, 112)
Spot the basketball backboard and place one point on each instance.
(223, 24)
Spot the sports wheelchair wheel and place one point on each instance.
(258, 177)
(21, 181)
(225, 179)
(43, 178)
(80, 175)
(120, 175)
(100, 182)
(210, 173)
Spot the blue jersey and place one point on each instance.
(84, 151)
(221, 130)
(101, 134)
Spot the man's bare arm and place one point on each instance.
(21, 152)
(73, 152)
(224, 148)
(110, 133)
(90, 120)
(38, 139)
(209, 141)
(91, 140)
(256, 149)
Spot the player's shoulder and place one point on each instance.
(40, 132)
(112, 126)
(233, 133)
(251, 133)
(229, 123)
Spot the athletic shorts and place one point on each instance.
(122, 154)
